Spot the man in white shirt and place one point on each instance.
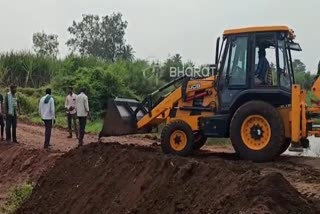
(70, 106)
(82, 109)
(47, 113)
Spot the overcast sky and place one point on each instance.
(159, 28)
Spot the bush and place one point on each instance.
(17, 197)
(35, 92)
(28, 104)
(100, 85)
(102, 78)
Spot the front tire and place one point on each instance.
(177, 138)
(257, 131)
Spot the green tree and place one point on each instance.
(318, 73)
(303, 78)
(45, 44)
(100, 37)
(127, 53)
(298, 66)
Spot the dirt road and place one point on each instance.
(28, 161)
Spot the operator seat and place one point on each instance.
(269, 79)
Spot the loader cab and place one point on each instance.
(255, 64)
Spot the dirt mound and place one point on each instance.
(18, 164)
(112, 178)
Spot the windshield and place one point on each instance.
(283, 66)
(221, 52)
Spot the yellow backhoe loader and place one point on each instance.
(251, 98)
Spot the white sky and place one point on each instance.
(159, 28)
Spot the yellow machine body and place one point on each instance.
(262, 122)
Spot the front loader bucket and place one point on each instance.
(120, 118)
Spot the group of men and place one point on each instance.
(76, 106)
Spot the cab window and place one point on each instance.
(237, 68)
(265, 60)
(283, 67)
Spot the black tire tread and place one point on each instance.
(271, 114)
(284, 146)
(165, 137)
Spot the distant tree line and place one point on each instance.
(302, 76)
(101, 37)
(100, 60)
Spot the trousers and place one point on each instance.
(47, 133)
(72, 118)
(11, 127)
(82, 128)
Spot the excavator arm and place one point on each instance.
(129, 116)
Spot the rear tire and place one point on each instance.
(256, 131)
(177, 138)
(199, 141)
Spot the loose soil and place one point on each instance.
(18, 164)
(138, 178)
(114, 178)
(27, 161)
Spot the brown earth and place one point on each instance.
(114, 178)
(18, 164)
(27, 161)
(111, 178)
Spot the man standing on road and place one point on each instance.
(1, 117)
(47, 113)
(82, 105)
(11, 109)
(70, 106)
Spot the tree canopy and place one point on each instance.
(45, 44)
(302, 76)
(298, 66)
(101, 37)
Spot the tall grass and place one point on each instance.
(26, 69)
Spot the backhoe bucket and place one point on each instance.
(120, 118)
